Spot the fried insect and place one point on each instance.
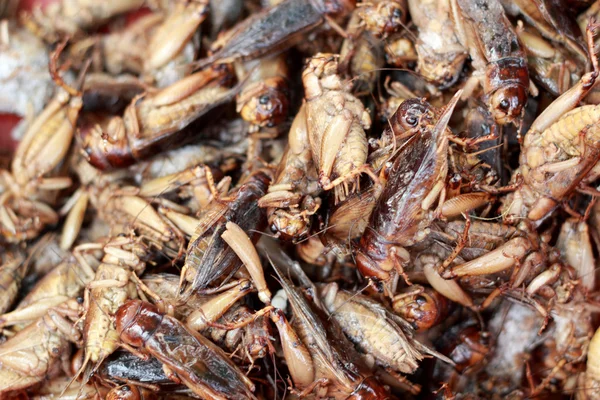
(292, 198)
(39, 351)
(374, 330)
(155, 121)
(321, 359)
(275, 28)
(174, 32)
(70, 18)
(264, 99)
(209, 258)
(212, 374)
(549, 65)
(63, 282)
(403, 212)
(497, 56)
(559, 149)
(383, 17)
(440, 54)
(336, 123)
(31, 184)
(422, 307)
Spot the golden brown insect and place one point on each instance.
(70, 18)
(316, 365)
(30, 186)
(348, 220)
(124, 258)
(374, 330)
(383, 17)
(336, 123)
(292, 198)
(174, 32)
(551, 20)
(549, 65)
(440, 54)
(39, 351)
(246, 332)
(63, 282)
(212, 374)
(110, 288)
(361, 56)
(575, 244)
(497, 56)
(264, 98)
(155, 121)
(559, 149)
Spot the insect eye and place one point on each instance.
(504, 104)
(264, 99)
(412, 121)
(397, 13)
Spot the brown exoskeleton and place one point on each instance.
(498, 59)
(361, 56)
(553, 22)
(336, 123)
(28, 189)
(292, 198)
(575, 245)
(63, 282)
(549, 65)
(70, 18)
(213, 253)
(138, 230)
(423, 308)
(275, 28)
(440, 54)
(211, 375)
(559, 149)
(41, 350)
(153, 121)
(383, 17)
(264, 99)
(319, 357)
(375, 330)
(415, 180)
(174, 32)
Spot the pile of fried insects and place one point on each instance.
(320, 199)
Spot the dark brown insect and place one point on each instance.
(274, 29)
(497, 56)
(402, 214)
(188, 357)
(209, 258)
